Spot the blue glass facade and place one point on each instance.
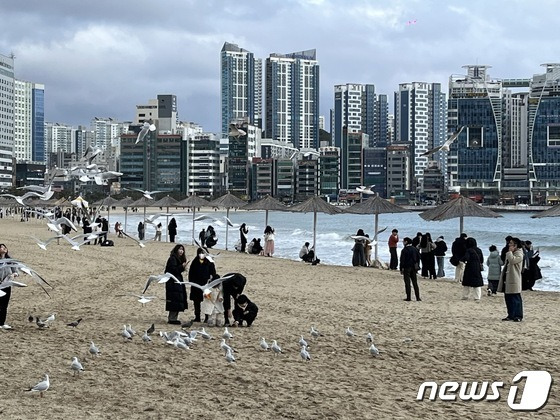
(545, 145)
(38, 125)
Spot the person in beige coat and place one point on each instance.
(510, 281)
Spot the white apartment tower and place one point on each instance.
(29, 120)
(6, 120)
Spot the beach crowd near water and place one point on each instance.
(455, 331)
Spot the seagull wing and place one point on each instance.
(140, 243)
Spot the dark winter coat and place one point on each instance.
(441, 248)
(458, 250)
(200, 272)
(172, 228)
(474, 260)
(232, 288)
(410, 257)
(175, 294)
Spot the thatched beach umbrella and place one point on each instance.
(108, 202)
(459, 207)
(193, 202)
(125, 203)
(375, 205)
(316, 205)
(143, 202)
(228, 201)
(166, 202)
(267, 203)
(551, 212)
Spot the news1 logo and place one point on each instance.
(532, 398)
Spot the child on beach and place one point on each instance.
(494, 263)
(212, 305)
(245, 311)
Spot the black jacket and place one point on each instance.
(200, 272)
(441, 248)
(175, 294)
(409, 257)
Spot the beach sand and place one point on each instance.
(452, 340)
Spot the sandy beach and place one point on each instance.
(452, 340)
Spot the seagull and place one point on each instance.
(205, 335)
(75, 245)
(143, 299)
(146, 193)
(54, 225)
(407, 340)
(264, 345)
(10, 262)
(209, 285)
(445, 146)
(130, 330)
(315, 333)
(276, 348)
(160, 278)
(74, 323)
(235, 132)
(20, 198)
(91, 153)
(349, 332)
(50, 318)
(225, 347)
(302, 342)
(150, 219)
(43, 245)
(365, 190)
(373, 350)
(229, 356)
(146, 127)
(369, 337)
(139, 242)
(125, 334)
(93, 349)
(42, 386)
(305, 356)
(227, 335)
(76, 366)
(9, 282)
(151, 329)
(146, 337)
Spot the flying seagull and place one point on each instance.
(146, 127)
(160, 278)
(365, 190)
(146, 193)
(445, 146)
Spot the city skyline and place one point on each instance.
(104, 66)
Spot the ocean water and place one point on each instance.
(333, 234)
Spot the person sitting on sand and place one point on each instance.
(245, 311)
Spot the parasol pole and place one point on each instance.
(315, 233)
(227, 225)
(460, 225)
(193, 215)
(167, 228)
(375, 236)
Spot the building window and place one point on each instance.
(475, 137)
(553, 135)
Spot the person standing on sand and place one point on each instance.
(201, 272)
(6, 273)
(472, 276)
(510, 281)
(269, 241)
(175, 293)
(439, 252)
(410, 257)
(243, 231)
(393, 243)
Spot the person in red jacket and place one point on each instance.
(393, 242)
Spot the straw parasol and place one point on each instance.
(143, 202)
(316, 205)
(228, 201)
(375, 205)
(551, 212)
(166, 202)
(459, 207)
(193, 202)
(108, 202)
(267, 203)
(125, 203)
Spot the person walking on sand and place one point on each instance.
(6, 273)
(410, 258)
(243, 231)
(510, 281)
(458, 250)
(393, 242)
(439, 252)
(494, 263)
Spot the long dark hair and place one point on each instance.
(5, 256)
(175, 251)
(268, 229)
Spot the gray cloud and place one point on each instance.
(105, 57)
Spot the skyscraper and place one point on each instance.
(29, 121)
(241, 86)
(420, 119)
(292, 98)
(6, 120)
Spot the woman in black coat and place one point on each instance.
(172, 229)
(472, 278)
(176, 294)
(201, 272)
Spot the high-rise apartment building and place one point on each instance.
(420, 121)
(292, 98)
(58, 137)
(29, 121)
(474, 162)
(241, 86)
(6, 120)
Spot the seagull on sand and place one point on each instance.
(146, 337)
(205, 335)
(130, 330)
(445, 146)
(276, 348)
(373, 350)
(146, 128)
(305, 356)
(369, 337)
(227, 335)
(225, 347)
(125, 334)
(151, 329)
(93, 349)
(76, 366)
(42, 386)
(302, 342)
(229, 356)
(264, 345)
(349, 332)
(315, 333)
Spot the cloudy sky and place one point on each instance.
(101, 58)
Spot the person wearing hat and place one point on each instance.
(245, 311)
(439, 252)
